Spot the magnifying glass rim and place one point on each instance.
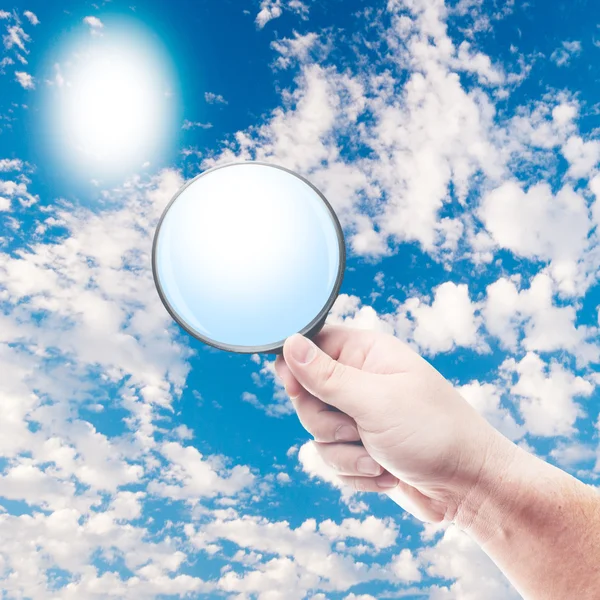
(276, 348)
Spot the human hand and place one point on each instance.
(406, 416)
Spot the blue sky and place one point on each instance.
(458, 144)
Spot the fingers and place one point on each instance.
(339, 385)
(349, 345)
(292, 387)
(383, 483)
(323, 423)
(349, 459)
(417, 504)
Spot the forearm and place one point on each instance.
(537, 523)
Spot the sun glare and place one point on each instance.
(114, 106)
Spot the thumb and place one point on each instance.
(334, 383)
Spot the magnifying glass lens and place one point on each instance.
(246, 255)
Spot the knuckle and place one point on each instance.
(336, 461)
(333, 375)
(329, 456)
(320, 429)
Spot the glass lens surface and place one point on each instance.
(247, 255)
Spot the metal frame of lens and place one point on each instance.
(309, 330)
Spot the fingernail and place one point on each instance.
(346, 433)
(387, 480)
(368, 466)
(303, 350)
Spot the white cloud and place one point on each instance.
(283, 478)
(316, 468)
(16, 37)
(447, 323)
(195, 124)
(213, 98)
(31, 17)
(5, 62)
(500, 311)
(583, 156)
(457, 558)
(298, 559)
(377, 532)
(11, 164)
(294, 49)
(347, 310)
(406, 567)
(95, 24)
(539, 225)
(435, 140)
(269, 9)
(428, 135)
(280, 407)
(547, 327)
(25, 80)
(273, 9)
(594, 186)
(16, 189)
(571, 454)
(562, 55)
(188, 476)
(546, 395)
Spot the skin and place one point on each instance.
(386, 421)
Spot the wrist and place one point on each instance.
(499, 490)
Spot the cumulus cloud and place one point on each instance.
(273, 9)
(293, 49)
(571, 454)
(448, 322)
(316, 468)
(546, 395)
(456, 558)
(31, 17)
(213, 98)
(95, 24)
(190, 477)
(406, 567)
(25, 80)
(562, 56)
(540, 225)
(533, 318)
(583, 156)
(300, 558)
(10, 164)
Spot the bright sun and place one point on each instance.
(114, 105)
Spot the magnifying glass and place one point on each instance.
(247, 254)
